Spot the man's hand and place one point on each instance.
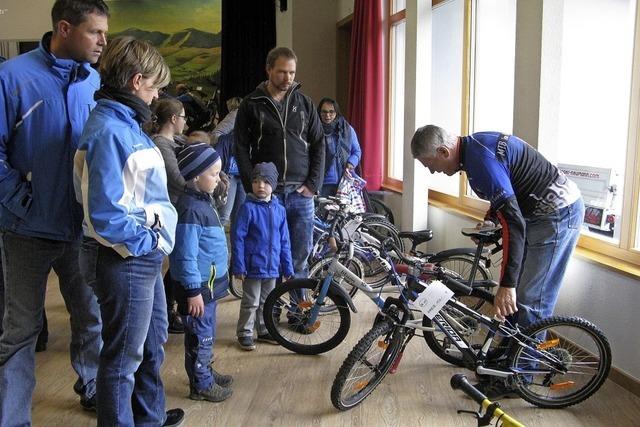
(504, 303)
(304, 190)
(195, 306)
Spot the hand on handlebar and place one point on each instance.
(504, 303)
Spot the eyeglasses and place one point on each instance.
(328, 112)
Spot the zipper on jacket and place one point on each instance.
(282, 123)
(306, 144)
(271, 234)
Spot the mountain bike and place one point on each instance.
(553, 363)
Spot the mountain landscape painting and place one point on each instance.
(186, 32)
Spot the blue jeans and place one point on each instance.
(134, 315)
(235, 199)
(550, 242)
(27, 262)
(300, 222)
(199, 337)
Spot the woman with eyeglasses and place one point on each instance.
(342, 150)
(166, 128)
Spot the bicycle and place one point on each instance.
(320, 320)
(541, 362)
(492, 410)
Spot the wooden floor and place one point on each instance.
(275, 387)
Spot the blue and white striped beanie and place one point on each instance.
(194, 159)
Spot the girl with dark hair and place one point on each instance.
(342, 150)
(168, 123)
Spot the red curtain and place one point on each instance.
(366, 87)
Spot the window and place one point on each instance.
(586, 80)
(395, 146)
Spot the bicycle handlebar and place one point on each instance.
(460, 382)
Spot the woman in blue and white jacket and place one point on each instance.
(130, 222)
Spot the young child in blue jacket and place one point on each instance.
(261, 252)
(199, 266)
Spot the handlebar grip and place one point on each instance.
(460, 382)
(457, 286)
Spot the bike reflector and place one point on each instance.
(546, 345)
(562, 385)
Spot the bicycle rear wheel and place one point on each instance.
(287, 309)
(568, 363)
(366, 365)
(465, 326)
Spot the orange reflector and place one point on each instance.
(549, 344)
(305, 304)
(562, 386)
(360, 385)
(383, 344)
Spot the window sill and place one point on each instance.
(611, 263)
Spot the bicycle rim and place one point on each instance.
(462, 267)
(580, 349)
(318, 271)
(366, 366)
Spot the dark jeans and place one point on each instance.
(27, 262)
(134, 314)
(199, 337)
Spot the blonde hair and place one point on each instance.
(125, 57)
(198, 136)
(233, 103)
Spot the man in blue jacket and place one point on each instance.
(45, 98)
(539, 208)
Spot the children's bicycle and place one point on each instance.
(320, 320)
(553, 363)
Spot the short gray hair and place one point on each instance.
(428, 139)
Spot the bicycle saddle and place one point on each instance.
(484, 234)
(417, 237)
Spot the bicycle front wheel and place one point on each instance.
(366, 365)
(462, 266)
(287, 310)
(567, 361)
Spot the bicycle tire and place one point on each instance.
(475, 335)
(462, 266)
(281, 305)
(377, 206)
(576, 356)
(318, 270)
(343, 382)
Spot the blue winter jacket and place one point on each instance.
(261, 245)
(121, 179)
(341, 147)
(44, 104)
(200, 257)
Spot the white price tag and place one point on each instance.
(433, 298)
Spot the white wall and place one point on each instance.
(345, 8)
(24, 20)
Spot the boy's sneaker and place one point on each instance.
(246, 343)
(267, 338)
(216, 393)
(221, 379)
(174, 418)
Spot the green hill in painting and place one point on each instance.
(190, 53)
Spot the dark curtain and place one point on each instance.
(248, 34)
(366, 87)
